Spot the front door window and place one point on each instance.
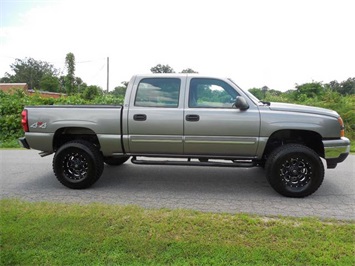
(211, 93)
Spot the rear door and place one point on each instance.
(213, 126)
(155, 115)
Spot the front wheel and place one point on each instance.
(78, 164)
(294, 170)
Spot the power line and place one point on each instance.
(90, 61)
(98, 72)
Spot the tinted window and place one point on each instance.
(158, 92)
(211, 93)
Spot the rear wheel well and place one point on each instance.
(64, 135)
(310, 139)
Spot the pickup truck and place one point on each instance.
(190, 120)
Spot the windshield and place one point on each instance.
(250, 95)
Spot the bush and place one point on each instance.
(11, 106)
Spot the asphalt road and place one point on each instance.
(25, 175)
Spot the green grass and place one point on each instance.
(97, 234)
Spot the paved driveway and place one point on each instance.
(25, 175)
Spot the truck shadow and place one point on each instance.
(182, 179)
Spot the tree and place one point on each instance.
(188, 70)
(79, 84)
(29, 71)
(70, 77)
(125, 83)
(333, 85)
(91, 92)
(49, 83)
(62, 84)
(310, 89)
(346, 87)
(119, 91)
(162, 69)
(5, 79)
(274, 92)
(258, 93)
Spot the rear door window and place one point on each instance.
(158, 92)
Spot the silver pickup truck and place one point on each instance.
(189, 119)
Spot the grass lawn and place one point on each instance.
(98, 234)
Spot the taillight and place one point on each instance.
(24, 120)
(342, 128)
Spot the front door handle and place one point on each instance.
(192, 118)
(140, 117)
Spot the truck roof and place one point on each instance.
(177, 75)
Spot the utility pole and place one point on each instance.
(108, 73)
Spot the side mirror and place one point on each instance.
(241, 103)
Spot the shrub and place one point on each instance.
(11, 106)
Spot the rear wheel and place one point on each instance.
(78, 164)
(294, 170)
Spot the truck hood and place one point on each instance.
(287, 107)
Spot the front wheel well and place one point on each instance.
(64, 135)
(310, 139)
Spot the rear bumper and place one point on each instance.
(336, 151)
(23, 143)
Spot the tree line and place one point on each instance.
(309, 90)
(41, 75)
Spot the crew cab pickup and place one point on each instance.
(189, 119)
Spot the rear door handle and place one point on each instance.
(192, 118)
(140, 117)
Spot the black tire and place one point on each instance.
(294, 170)
(78, 164)
(116, 160)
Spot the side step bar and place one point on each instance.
(188, 162)
(45, 153)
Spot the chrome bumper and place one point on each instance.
(336, 151)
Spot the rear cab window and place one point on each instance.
(158, 92)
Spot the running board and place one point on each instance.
(45, 153)
(188, 162)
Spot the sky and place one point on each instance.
(273, 43)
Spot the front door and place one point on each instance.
(213, 126)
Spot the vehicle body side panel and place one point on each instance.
(272, 121)
(222, 132)
(102, 121)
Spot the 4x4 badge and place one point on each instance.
(39, 125)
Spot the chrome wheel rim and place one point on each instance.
(296, 172)
(75, 167)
